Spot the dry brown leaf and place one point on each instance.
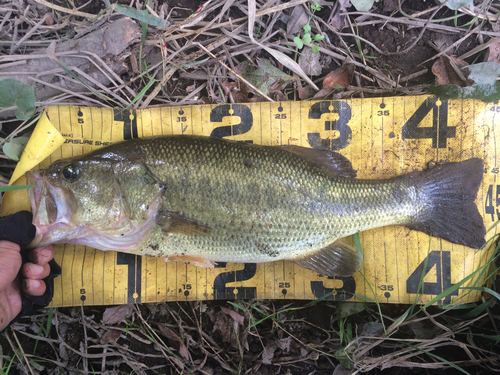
(298, 19)
(305, 92)
(233, 314)
(322, 93)
(268, 353)
(390, 5)
(444, 72)
(229, 329)
(341, 77)
(110, 336)
(113, 315)
(174, 340)
(309, 62)
(283, 59)
(338, 21)
(494, 51)
(223, 325)
(242, 94)
(284, 344)
(272, 345)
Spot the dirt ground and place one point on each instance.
(391, 52)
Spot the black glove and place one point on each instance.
(18, 228)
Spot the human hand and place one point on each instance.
(10, 283)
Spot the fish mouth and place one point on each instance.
(52, 208)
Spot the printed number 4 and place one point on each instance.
(440, 260)
(439, 132)
(488, 206)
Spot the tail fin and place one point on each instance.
(448, 193)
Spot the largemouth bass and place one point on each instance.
(204, 200)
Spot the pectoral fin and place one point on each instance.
(195, 261)
(173, 222)
(337, 260)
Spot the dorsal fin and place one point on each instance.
(330, 161)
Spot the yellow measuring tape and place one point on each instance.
(382, 137)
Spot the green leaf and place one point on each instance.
(319, 37)
(457, 4)
(21, 95)
(362, 5)
(266, 76)
(307, 38)
(298, 42)
(486, 87)
(141, 15)
(15, 147)
(16, 187)
(307, 27)
(314, 48)
(346, 309)
(316, 8)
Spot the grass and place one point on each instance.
(203, 50)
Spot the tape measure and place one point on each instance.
(382, 137)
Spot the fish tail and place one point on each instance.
(445, 197)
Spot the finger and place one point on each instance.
(10, 263)
(42, 255)
(10, 303)
(35, 271)
(34, 287)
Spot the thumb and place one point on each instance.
(10, 263)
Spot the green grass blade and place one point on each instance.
(439, 358)
(142, 93)
(16, 187)
(49, 322)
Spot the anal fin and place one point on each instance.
(337, 260)
(193, 260)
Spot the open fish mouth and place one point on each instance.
(52, 207)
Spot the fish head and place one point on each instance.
(75, 199)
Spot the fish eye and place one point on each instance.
(71, 172)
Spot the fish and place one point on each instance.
(203, 200)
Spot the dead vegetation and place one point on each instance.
(181, 53)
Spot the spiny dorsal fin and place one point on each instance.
(337, 260)
(330, 161)
(173, 222)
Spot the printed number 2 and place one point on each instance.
(440, 260)
(488, 206)
(439, 132)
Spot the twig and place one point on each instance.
(235, 74)
(29, 33)
(66, 10)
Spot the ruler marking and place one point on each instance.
(92, 276)
(112, 121)
(151, 121)
(103, 276)
(83, 264)
(115, 262)
(265, 286)
(274, 280)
